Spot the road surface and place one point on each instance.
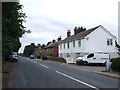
(33, 73)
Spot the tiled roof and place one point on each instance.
(52, 44)
(79, 35)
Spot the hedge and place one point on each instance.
(58, 59)
(115, 64)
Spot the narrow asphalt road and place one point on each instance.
(33, 73)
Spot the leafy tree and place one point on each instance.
(26, 50)
(12, 27)
(81, 29)
(29, 49)
(32, 48)
(38, 45)
(43, 45)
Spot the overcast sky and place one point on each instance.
(49, 19)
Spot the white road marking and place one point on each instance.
(40, 64)
(77, 80)
(43, 65)
(35, 62)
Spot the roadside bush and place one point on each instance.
(115, 64)
(58, 59)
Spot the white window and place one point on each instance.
(68, 55)
(109, 41)
(61, 54)
(68, 45)
(60, 46)
(78, 54)
(74, 43)
(79, 43)
(64, 45)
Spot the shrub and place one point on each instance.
(115, 64)
(56, 57)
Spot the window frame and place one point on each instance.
(68, 45)
(109, 41)
(68, 55)
(60, 46)
(79, 43)
(64, 45)
(73, 43)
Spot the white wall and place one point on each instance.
(77, 48)
(97, 42)
(72, 49)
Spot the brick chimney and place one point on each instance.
(75, 30)
(59, 38)
(68, 33)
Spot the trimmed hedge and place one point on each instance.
(57, 59)
(115, 64)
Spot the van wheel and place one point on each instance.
(85, 63)
(16, 60)
(104, 64)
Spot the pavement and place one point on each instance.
(94, 69)
(100, 70)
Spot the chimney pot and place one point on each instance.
(68, 33)
(75, 30)
(53, 41)
(59, 38)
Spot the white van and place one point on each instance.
(95, 58)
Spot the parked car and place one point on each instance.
(44, 58)
(38, 56)
(93, 58)
(32, 56)
(13, 56)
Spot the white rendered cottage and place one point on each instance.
(96, 39)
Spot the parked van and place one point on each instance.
(93, 58)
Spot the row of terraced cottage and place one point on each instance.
(96, 39)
